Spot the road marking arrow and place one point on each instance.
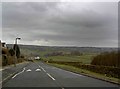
(38, 70)
(28, 70)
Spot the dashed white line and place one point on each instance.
(50, 76)
(42, 68)
(18, 73)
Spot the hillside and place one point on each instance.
(42, 50)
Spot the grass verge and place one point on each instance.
(87, 73)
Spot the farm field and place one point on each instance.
(84, 59)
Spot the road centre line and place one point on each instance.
(18, 73)
(42, 68)
(50, 76)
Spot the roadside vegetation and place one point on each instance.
(106, 65)
(9, 57)
(107, 59)
(103, 63)
(86, 72)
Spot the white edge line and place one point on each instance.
(50, 76)
(6, 78)
(18, 73)
(9, 76)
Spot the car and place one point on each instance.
(37, 58)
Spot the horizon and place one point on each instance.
(64, 46)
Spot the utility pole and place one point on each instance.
(16, 50)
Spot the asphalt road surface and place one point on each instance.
(39, 74)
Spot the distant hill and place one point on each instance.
(42, 50)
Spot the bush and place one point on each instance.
(22, 56)
(76, 53)
(4, 60)
(107, 59)
(11, 60)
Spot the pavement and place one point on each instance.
(39, 74)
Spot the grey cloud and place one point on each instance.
(79, 24)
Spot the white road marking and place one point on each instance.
(29, 70)
(50, 76)
(18, 73)
(38, 70)
(6, 78)
(42, 68)
(69, 72)
(75, 74)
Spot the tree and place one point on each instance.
(107, 59)
(11, 52)
(17, 50)
(76, 53)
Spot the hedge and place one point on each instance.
(107, 70)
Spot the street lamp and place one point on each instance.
(15, 49)
(18, 38)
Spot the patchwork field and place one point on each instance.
(85, 58)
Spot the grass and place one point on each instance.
(87, 73)
(85, 58)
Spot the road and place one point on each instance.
(39, 74)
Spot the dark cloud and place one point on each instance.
(56, 23)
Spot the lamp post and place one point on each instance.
(15, 49)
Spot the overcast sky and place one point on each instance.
(61, 23)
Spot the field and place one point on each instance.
(84, 59)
